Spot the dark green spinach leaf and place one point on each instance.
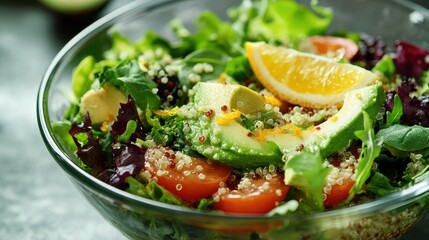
(404, 138)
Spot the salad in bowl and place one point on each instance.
(264, 113)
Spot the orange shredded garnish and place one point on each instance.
(227, 118)
(287, 129)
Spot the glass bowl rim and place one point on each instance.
(380, 205)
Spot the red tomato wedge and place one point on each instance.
(186, 177)
(331, 44)
(260, 196)
(338, 193)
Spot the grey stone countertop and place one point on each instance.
(37, 201)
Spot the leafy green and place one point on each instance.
(247, 123)
(206, 204)
(287, 21)
(161, 230)
(151, 190)
(129, 130)
(385, 66)
(216, 59)
(306, 172)
(380, 185)
(218, 34)
(151, 41)
(370, 150)
(423, 84)
(239, 69)
(404, 138)
(128, 77)
(83, 77)
(289, 206)
(62, 130)
(122, 48)
(72, 113)
(275, 148)
(394, 117)
(211, 33)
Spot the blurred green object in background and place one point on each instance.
(74, 7)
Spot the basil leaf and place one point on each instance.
(404, 138)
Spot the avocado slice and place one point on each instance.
(231, 143)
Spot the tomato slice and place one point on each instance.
(258, 197)
(186, 177)
(331, 44)
(338, 193)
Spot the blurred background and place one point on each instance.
(37, 201)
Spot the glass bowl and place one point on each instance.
(138, 218)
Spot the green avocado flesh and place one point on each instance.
(231, 143)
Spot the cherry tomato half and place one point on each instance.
(331, 44)
(258, 197)
(186, 177)
(338, 193)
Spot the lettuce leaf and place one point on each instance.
(151, 190)
(211, 33)
(287, 22)
(305, 171)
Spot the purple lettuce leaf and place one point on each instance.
(128, 111)
(410, 60)
(415, 109)
(90, 152)
(129, 160)
(371, 50)
(121, 159)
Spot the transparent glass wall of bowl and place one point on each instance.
(138, 218)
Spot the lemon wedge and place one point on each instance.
(305, 79)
